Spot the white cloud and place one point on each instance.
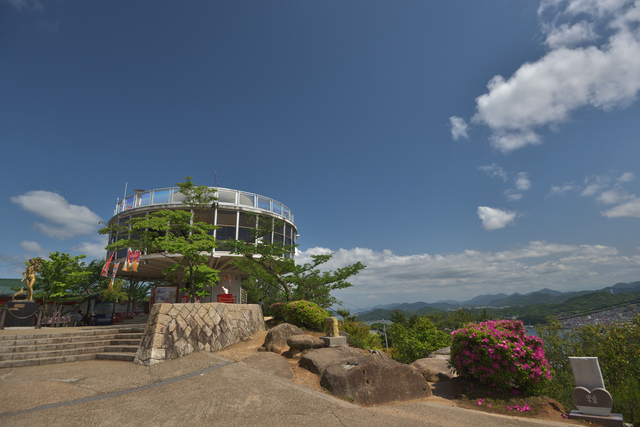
(523, 183)
(595, 184)
(26, 4)
(495, 171)
(626, 177)
(512, 195)
(458, 128)
(462, 276)
(494, 219)
(613, 196)
(92, 249)
(64, 220)
(561, 190)
(629, 209)
(547, 91)
(33, 248)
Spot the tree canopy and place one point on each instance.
(176, 232)
(272, 263)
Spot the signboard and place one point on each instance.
(103, 314)
(166, 294)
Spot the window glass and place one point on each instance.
(285, 212)
(277, 208)
(128, 203)
(226, 196)
(226, 218)
(277, 238)
(247, 220)
(246, 199)
(267, 238)
(288, 230)
(224, 233)
(264, 203)
(144, 198)
(119, 207)
(244, 234)
(178, 197)
(160, 196)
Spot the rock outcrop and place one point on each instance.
(300, 343)
(318, 360)
(370, 379)
(434, 369)
(276, 339)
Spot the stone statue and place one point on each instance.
(30, 275)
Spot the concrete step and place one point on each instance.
(121, 349)
(59, 346)
(75, 345)
(46, 361)
(120, 356)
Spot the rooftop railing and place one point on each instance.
(226, 196)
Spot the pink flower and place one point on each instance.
(480, 401)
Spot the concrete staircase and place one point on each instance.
(42, 348)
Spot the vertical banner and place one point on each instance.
(105, 267)
(135, 260)
(127, 262)
(113, 274)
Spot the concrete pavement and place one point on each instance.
(199, 389)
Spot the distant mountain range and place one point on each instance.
(543, 296)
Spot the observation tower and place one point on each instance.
(234, 213)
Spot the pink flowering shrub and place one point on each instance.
(301, 313)
(499, 353)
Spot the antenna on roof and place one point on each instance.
(215, 177)
(125, 190)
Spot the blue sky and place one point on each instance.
(455, 148)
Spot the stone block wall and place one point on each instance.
(175, 330)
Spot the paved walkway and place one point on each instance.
(199, 389)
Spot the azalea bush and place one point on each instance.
(499, 353)
(303, 314)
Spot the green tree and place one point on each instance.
(177, 232)
(273, 264)
(61, 278)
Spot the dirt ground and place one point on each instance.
(447, 393)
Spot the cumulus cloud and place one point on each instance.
(561, 190)
(521, 180)
(462, 276)
(458, 128)
(523, 183)
(494, 219)
(606, 190)
(494, 171)
(33, 248)
(26, 4)
(593, 61)
(626, 177)
(64, 220)
(628, 209)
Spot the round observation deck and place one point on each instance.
(234, 213)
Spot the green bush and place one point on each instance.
(359, 335)
(617, 347)
(417, 341)
(303, 314)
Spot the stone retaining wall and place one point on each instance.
(175, 330)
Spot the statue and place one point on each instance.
(30, 275)
(20, 292)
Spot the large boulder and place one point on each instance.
(318, 360)
(434, 369)
(373, 380)
(299, 343)
(276, 339)
(270, 363)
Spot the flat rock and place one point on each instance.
(304, 342)
(270, 363)
(373, 380)
(434, 369)
(276, 339)
(318, 360)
